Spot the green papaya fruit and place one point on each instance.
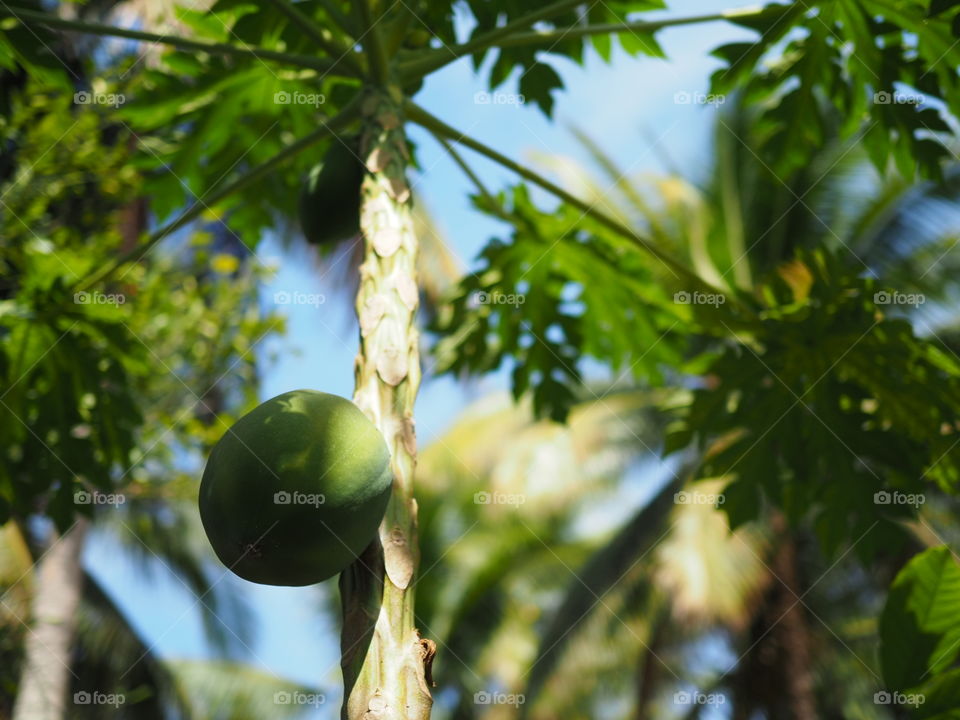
(418, 38)
(296, 489)
(330, 195)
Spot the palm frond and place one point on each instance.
(602, 572)
(16, 589)
(712, 575)
(111, 659)
(229, 691)
(165, 536)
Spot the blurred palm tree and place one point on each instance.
(109, 657)
(515, 522)
(672, 611)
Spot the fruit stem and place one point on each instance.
(385, 663)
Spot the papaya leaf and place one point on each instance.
(941, 697)
(537, 83)
(828, 410)
(796, 69)
(920, 624)
(559, 290)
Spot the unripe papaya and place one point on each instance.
(417, 38)
(296, 488)
(330, 195)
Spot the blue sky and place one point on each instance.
(625, 106)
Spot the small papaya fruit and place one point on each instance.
(418, 38)
(330, 195)
(295, 489)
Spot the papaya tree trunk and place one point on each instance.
(45, 678)
(386, 665)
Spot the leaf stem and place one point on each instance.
(319, 35)
(446, 55)
(373, 42)
(40, 18)
(339, 17)
(349, 113)
(472, 176)
(506, 37)
(398, 31)
(540, 37)
(437, 126)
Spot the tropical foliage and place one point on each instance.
(779, 333)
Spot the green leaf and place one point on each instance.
(941, 697)
(35, 48)
(537, 83)
(920, 624)
(800, 78)
(603, 45)
(642, 44)
(828, 411)
(561, 288)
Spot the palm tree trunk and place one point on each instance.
(793, 635)
(649, 667)
(45, 679)
(386, 665)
